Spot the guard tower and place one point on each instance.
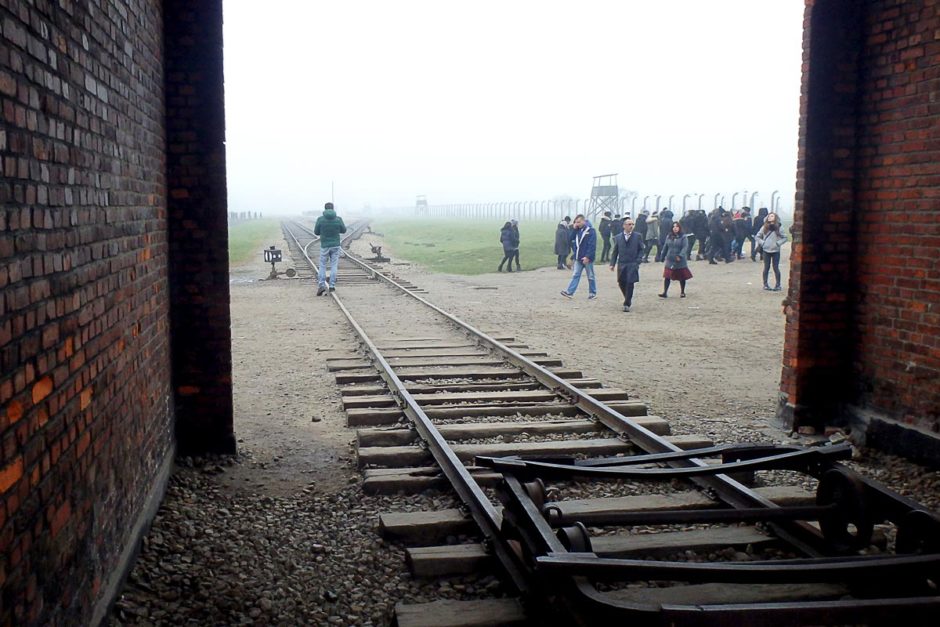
(605, 196)
(421, 205)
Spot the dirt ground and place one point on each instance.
(289, 421)
(709, 363)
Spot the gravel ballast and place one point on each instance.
(282, 534)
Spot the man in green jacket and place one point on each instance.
(328, 227)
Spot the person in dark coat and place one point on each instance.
(687, 220)
(698, 232)
(755, 228)
(507, 239)
(742, 231)
(515, 238)
(639, 226)
(727, 224)
(676, 258)
(665, 222)
(604, 229)
(616, 225)
(562, 247)
(628, 251)
(719, 228)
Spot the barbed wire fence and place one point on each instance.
(557, 208)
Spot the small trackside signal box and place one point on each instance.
(272, 255)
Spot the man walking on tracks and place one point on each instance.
(627, 254)
(328, 227)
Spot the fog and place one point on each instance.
(511, 100)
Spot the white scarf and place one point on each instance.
(579, 238)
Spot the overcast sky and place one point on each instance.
(507, 100)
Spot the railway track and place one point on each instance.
(586, 505)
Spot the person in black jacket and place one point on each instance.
(515, 241)
(639, 226)
(628, 251)
(719, 240)
(507, 239)
(699, 232)
(742, 231)
(686, 221)
(562, 245)
(604, 229)
(755, 227)
(616, 226)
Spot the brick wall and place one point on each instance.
(897, 312)
(863, 310)
(198, 226)
(87, 404)
(818, 336)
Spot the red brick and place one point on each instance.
(59, 518)
(10, 474)
(42, 389)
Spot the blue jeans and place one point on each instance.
(576, 277)
(331, 253)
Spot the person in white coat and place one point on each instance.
(770, 238)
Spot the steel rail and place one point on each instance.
(556, 517)
(480, 508)
(800, 535)
(807, 570)
(478, 505)
(735, 452)
(725, 488)
(790, 460)
(911, 610)
(353, 231)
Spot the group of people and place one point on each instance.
(720, 234)
(624, 253)
(628, 243)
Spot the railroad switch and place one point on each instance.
(377, 251)
(272, 255)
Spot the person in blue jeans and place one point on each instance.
(328, 227)
(583, 242)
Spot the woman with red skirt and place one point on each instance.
(676, 257)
